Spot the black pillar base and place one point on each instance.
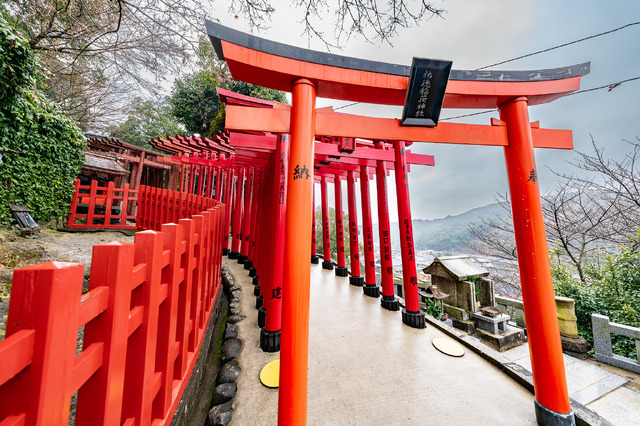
(248, 264)
(270, 340)
(390, 303)
(234, 255)
(242, 258)
(225, 251)
(357, 281)
(371, 290)
(414, 319)
(327, 264)
(259, 302)
(262, 316)
(252, 271)
(256, 291)
(255, 280)
(547, 417)
(342, 271)
(315, 259)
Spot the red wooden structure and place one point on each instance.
(104, 207)
(307, 74)
(144, 318)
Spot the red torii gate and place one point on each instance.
(334, 159)
(307, 74)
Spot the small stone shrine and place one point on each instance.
(465, 283)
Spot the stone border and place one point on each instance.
(583, 415)
(226, 388)
(194, 404)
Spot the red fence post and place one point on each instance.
(355, 278)
(141, 351)
(46, 298)
(370, 287)
(326, 240)
(411, 314)
(73, 209)
(168, 311)
(184, 305)
(549, 380)
(100, 399)
(341, 269)
(236, 226)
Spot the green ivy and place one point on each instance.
(42, 150)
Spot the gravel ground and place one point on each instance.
(47, 245)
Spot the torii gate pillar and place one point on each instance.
(294, 348)
(327, 263)
(551, 394)
(341, 269)
(389, 300)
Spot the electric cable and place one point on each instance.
(560, 45)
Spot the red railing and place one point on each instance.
(144, 318)
(106, 206)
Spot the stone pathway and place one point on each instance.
(599, 390)
(366, 368)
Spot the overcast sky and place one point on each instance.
(476, 33)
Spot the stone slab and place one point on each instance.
(619, 407)
(599, 389)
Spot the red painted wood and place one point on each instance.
(384, 229)
(547, 364)
(292, 405)
(367, 226)
(353, 226)
(340, 253)
(407, 250)
(273, 299)
(45, 298)
(326, 240)
(246, 219)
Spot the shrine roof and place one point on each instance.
(102, 163)
(459, 268)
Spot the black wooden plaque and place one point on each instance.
(425, 92)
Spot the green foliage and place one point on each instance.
(148, 120)
(612, 289)
(17, 65)
(42, 149)
(194, 101)
(432, 308)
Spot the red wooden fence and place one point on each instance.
(144, 319)
(107, 207)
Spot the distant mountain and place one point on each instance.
(446, 234)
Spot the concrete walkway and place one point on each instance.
(366, 368)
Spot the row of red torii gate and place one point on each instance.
(265, 166)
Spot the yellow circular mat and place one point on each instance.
(270, 374)
(448, 346)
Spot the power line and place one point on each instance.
(560, 45)
(345, 106)
(468, 115)
(609, 86)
